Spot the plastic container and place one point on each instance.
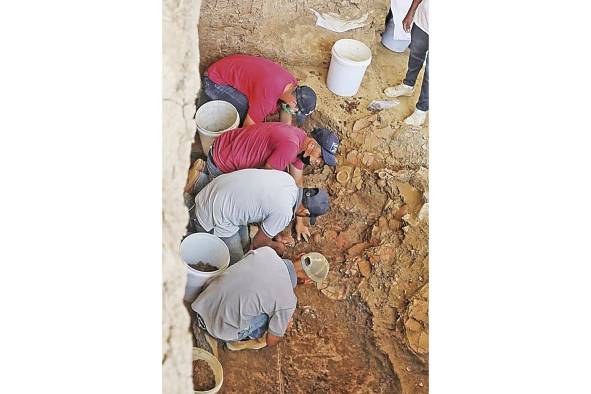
(214, 118)
(207, 248)
(348, 63)
(388, 39)
(218, 372)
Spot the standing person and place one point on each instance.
(419, 52)
(272, 145)
(250, 305)
(256, 86)
(270, 198)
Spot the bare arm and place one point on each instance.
(261, 239)
(301, 229)
(407, 21)
(247, 121)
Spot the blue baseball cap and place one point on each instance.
(329, 142)
(306, 99)
(316, 201)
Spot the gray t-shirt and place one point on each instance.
(259, 283)
(246, 197)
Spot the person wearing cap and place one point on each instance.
(257, 87)
(250, 304)
(269, 198)
(272, 145)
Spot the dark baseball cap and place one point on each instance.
(316, 201)
(306, 100)
(329, 142)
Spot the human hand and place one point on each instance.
(302, 231)
(407, 22)
(279, 248)
(285, 238)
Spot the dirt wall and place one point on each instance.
(268, 28)
(180, 84)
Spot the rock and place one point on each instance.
(364, 267)
(352, 157)
(330, 235)
(401, 212)
(411, 196)
(356, 250)
(424, 211)
(362, 123)
(367, 159)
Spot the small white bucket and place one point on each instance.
(218, 372)
(214, 118)
(202, 247)
(348, 63)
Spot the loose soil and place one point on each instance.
(203, 267)
(203, 377)
(365, 329)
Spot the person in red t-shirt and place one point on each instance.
(272, 145)
(257, 87)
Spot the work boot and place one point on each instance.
(399, 90)
(194, 173)
(249, 344)
(417, 118)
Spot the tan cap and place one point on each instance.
(315, 266)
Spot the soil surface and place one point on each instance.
(365, 329)
(203, 377)
(203, 267)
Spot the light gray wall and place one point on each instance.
(180, 84)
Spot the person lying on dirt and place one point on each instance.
(250, 304)
(257, 87)
(269, 198)
(271, 145)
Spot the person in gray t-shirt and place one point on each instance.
(269, 198)
(251, 297)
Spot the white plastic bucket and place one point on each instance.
(389, 42)
(218, 372)
(202, 247)
(214, 118)
(348, 63)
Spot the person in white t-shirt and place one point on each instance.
(417, 22)
(269, 198)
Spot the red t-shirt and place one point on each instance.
(259, 79)
(253, 146)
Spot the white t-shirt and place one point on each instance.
(246, 197)
(259, 283)
(422, 16)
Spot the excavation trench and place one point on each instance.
(365, 329)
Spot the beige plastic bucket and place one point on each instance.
(218, 372)
(214, 118)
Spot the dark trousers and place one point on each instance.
(419, 51)
(212, 91)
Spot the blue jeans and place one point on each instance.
(235, 243)
(210, 172)
(419, 51)
(213, 91)
(256, 328)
